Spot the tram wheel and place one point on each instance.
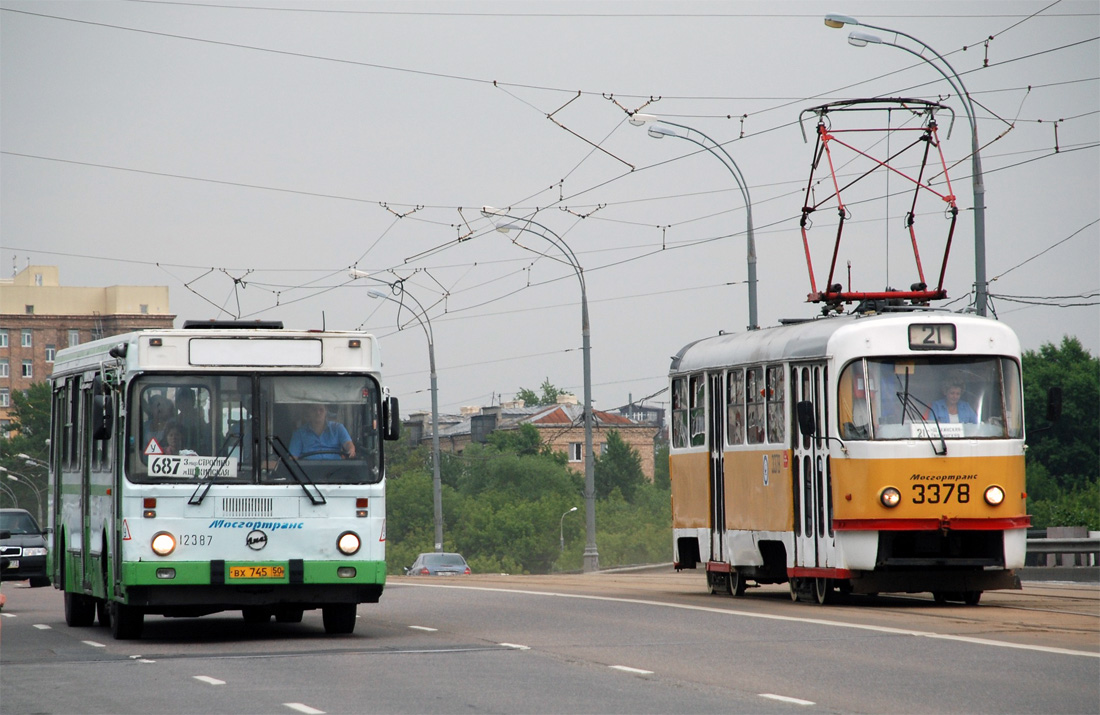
(795, 584)
(736, 583)
(823, 590)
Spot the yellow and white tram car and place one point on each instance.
(870, 453)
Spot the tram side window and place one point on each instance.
(755, 394)
(698, 413)
(679, 413)
(776, 404)
(854, 391)
(735, 406)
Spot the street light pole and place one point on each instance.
(657, 131)
(861, 39)
(25, 481)
(591, 555)
(398, 288)
(561, 528)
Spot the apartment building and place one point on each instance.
(39, 316)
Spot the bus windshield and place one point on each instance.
(916, 398)
(248, 429)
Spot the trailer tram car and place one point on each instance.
(177, 485)
(821, 454)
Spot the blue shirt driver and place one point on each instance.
(321, 438)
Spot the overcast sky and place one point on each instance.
(248, 154)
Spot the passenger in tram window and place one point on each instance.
(952, 408)
(321, 438)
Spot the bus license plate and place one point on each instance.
(246, 572)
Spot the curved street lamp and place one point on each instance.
(862, 39)
(398, 288)
(561, 528)
(591, 555)
(29, 484)
(659, 129)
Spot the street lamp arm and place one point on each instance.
(981, 285)
(398, 288)
(591, 554)
(719, 152)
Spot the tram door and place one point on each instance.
(811, 497)
(715, 432)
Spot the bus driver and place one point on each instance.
(321, 438)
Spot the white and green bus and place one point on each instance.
(191, 472)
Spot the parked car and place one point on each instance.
(22, 548)
(438, 564)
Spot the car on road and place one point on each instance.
(22, 548)
(439, 564)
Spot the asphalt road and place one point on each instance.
(626, 642)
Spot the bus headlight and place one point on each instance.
(890, 497)
(348, 543)
(163, 543)
(994, 495)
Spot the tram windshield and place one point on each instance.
(254, 429)
(914, 398)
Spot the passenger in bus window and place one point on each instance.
(173, 440)
(193, 426)
(159, 412)
(952, 408)
(321, 438)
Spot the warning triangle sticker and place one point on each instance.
(153, 447)
(125, 531)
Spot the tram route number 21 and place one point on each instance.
(940, 493)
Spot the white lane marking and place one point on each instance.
(304, 709)
(208, 679)
(424, 628)
(785, 699)
(516, 646)
(627, 669)
(93, 644)
(43, 627)
(773, 617)
(9, 615)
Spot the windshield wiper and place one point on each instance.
(296, 471)
(915, 415)
(207, 479)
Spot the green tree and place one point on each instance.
(620, 467)
(30, 428)
(1063, 470)
(661, 478)
(1069, 449)
(549, 396)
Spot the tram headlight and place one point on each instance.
(163, 543)
(890, 497)
(994, 495)
(348, 543)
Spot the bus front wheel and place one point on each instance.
(127, 622)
